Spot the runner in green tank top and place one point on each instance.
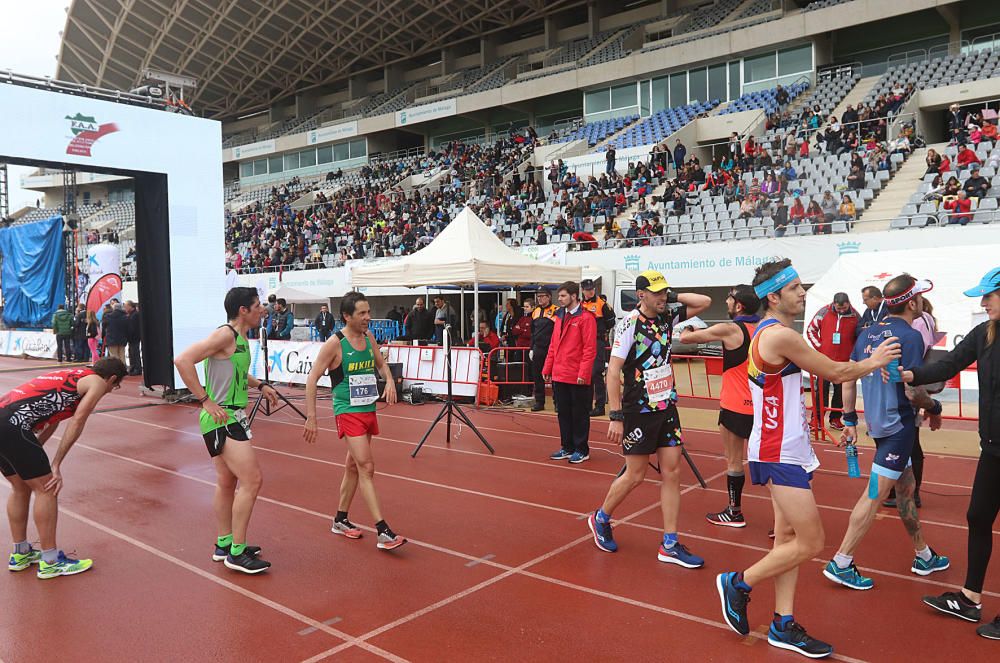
(225, 358)
(352, 358)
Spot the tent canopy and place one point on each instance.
(293, 296)
(464, 254)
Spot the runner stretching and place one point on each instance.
(892, 421)
(29, 415)
(645, 419)
(781, 456)
(352, 357)
(735, 404)
(225, 358)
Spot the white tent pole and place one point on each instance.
(461, 325)
(475, 307)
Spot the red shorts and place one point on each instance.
(357, 424)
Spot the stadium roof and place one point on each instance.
(248, 54)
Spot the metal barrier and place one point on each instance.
(424, 364)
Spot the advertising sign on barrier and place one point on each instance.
(287, 361)
(34, 344)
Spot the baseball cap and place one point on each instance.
(587, 284)
(651, 281)
(973, 166)
(989, 283)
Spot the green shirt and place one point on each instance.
(354, 381)
(226, 383)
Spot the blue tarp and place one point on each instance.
(33, 261)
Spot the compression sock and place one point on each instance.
(237, 549)
(340, 517)
(669, 540)
(843, 561)
(734, 484)
(925, 554)
(50, 556)
(781, 621)
(381, 527)
(22, 548)
(224, 541)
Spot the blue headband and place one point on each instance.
(776, 282)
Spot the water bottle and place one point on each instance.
(852, 461)
(893, 369)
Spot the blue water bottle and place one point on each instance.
(893, 369)
(853, 470)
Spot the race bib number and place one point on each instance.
(363, 389)
(241, 418)
(659, 383)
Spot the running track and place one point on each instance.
(500, 564)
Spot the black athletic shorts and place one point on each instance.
(21, 453)
(646, 432)
(740, 425)
(215, 440)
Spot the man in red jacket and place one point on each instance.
(568, 366)
(832, 332)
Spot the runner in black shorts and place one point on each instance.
(645, 419)
(29, 415)
(735, 405)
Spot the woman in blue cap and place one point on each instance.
(980, 346)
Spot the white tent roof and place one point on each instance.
(956, 314)
(293, 296)
(465, 252)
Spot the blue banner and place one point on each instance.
(33, 262)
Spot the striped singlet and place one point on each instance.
(780, 428)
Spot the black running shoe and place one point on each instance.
(537, 407)
(990, 631)
(246, 563)
(734, 603)
(221, 553)
(956, 605)
(794, 638)
(727, 518)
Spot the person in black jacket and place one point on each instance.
(542, 325)
(134, 338)
(419, 322)
(598, 305)
(115, 325)
(324, 323)
(980, 346)
(80, 351)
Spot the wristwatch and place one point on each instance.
(616, 415)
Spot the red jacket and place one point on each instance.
(824, 327)
(573, 348)
(522, 332)
(490, 339)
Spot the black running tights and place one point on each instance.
(983, 509)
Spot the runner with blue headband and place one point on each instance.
(781, 456)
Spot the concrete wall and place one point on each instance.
(717, 128)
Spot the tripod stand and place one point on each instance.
(262, 403)
(450, 407)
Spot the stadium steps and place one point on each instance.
(890, 201)
(737, 13)
(856, 95)
(599, 147)
(604, 44)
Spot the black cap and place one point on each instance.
(587, 284)
(544, 291)
(841, 298)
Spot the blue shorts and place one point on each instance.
(779, 474)
(892, 453)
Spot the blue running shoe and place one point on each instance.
(679, 555)
(603, 538)
(935, 563)
(734, 603)
(578, 457)
(849, 577)
(562, 454)
(794, 638)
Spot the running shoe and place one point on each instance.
(538, 407)
(21, 562)
(562, 454)
(956, 605)
(221, 553)
(836, 424)
(935, 563)
(578, 457)
(678, 554)
(890, 503)
(603, 538)
(794, 638)
(597, 412)
(849, 577)
(734, 602)
(727, 518)
(990, 631)
(346, 528)
(63, 566)
(389, 540)
(246, 563)
(916, 500)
